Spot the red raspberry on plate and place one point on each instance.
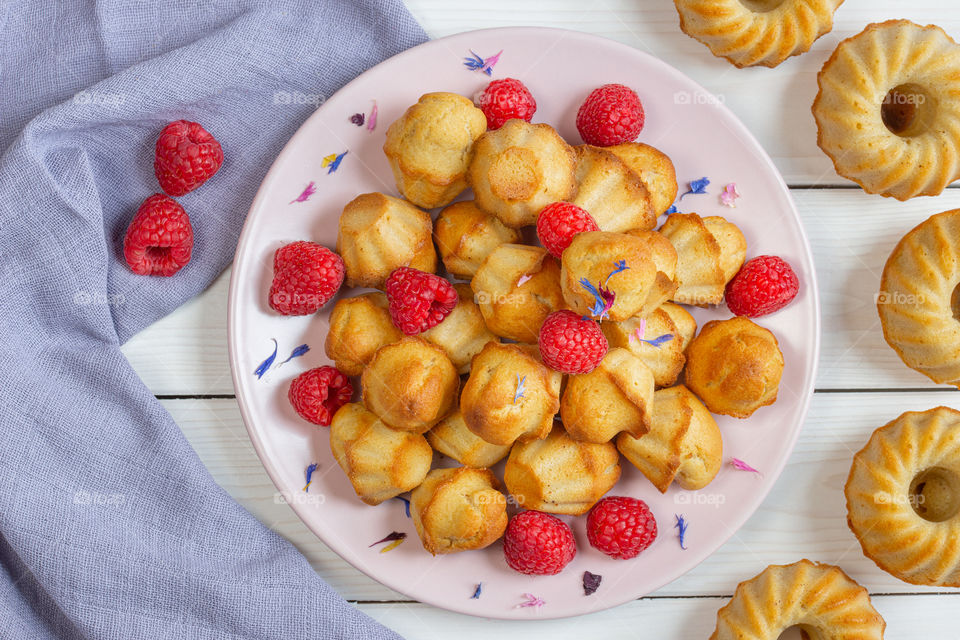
(537, 543)
(571, 343)
(763, 285)
(159, 240)
(505, 99)
(621, 527)
(305, 276)
(611, 114)
(186, 157)
(418, 300)
(318, 393)
(559, 222)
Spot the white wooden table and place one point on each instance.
(861, 384)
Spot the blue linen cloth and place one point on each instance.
(110, 527)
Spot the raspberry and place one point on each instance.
(557, 223)
(621, 527)
(159, 240)
(318, 393)
(570, 343)
(418, 300)
(305, 276)
(505, 99)
(537, 543)
(186, 157)
(611, 114)
(763, 285)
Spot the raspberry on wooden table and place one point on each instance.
(611, 115)
(559, 222)
(571, 343)
(763, 285)
(159, 240)
(621, 527)
(186, 157)
(418, 300)
(538, 543)
(505, 99)
(305, 276)
(317, 394)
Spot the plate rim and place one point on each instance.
(756, 499)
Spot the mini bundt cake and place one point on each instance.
(655, 170)
(410, 384)
(516, 288)
(614, 195)
(452, 438)
(888, 110)
(559, 474)
(429, 148)
(656, 340)
(903, 497)
(380, 462)
(510, 394)
(820, 599)
(359, 326)
(665, 259)
(734, 366)
(607, 275)
(756, 32)
(465, 236)
(710, 251)
(519, 169)
(616, 396)
(918, 301)
(683, 444)
(458, 510)
(463, 332)
(379, 233)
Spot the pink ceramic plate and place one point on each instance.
(560, 67)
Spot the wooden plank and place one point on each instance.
(851, 234)
(804, 516)
(680, 619)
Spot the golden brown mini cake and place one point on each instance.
(918, 301)
(559, 474)
(756, 32)
(510, 394)
(887, 109)
(710, 251)
(452, 438)
(410, 384)
(685, 323)
(655, 170)
(358, 327)
(614, 195)
(466, 235)
(519, 169)
(458, 510)
(463, 332)
(683, 444)
(598, 261)
(616, 396)
(664, 258)
(734, 367)
(516, 288)
(656, 340)
(820, 599)
(903, 497)
(379, 233)
(430, 146)
(379, 461)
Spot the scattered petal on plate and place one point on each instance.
(309, 473)
(697, 187)
(740, 465)
(728, 197)
(477, 591)
(406, 505)
(262, 369)
(308, 191)
(358, 119)
(591, 582)
(332, 162)
(372, 120)
(395, 538)
(296, 353)
(681, 528)
(531, 601)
